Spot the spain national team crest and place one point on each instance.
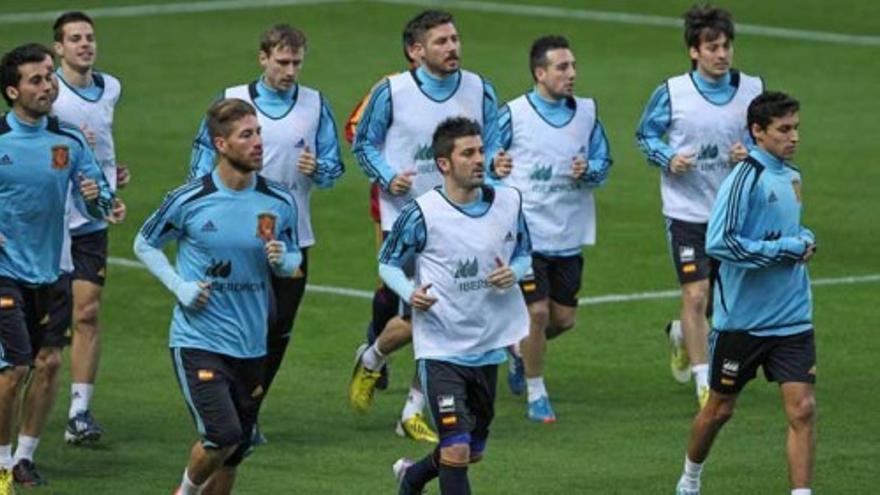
(266, 226)
(60, 157)
(796, 185)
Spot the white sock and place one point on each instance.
(536, 388)
(6, 457)
(372, 358)
(80, 396)
(802, 491)
(25, 449)
(415, 402)
(187, 487)
(692, 471)
(701, 375)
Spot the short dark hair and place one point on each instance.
(770, 105)
(65, 19)
(224, 113)
(703, 22)
(542, 45)
(25, 54)
(409, 39)
(427, 20)
(448, 131)
(282, 35)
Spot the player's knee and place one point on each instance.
(48, 361)
(455, 455)
(539, 314)
(696, 296)
(86, 314)
(12, 376)
(721, 412)
(563, 322)
(802, 412)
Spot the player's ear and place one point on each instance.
(58, 47)
(11, 92)
(220, 144)
(443, 164)
(262, 58)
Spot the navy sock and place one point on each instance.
(454, 480)
(420, 473)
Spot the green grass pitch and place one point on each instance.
(623, 421)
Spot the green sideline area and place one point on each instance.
(623, 421)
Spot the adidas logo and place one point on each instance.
(301, 143)
(209, 227)
(582, 150)
(508, 237)
(219, 269)
(5, 160)
(772, 198)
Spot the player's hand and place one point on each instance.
(401, 183)
(306, 164)
(123, 175)
(809, 253)
(275, 251)
(194, 295)
(90, 136)
(503, 164)
(502, 277)
(421, 300)
(578, 167)
(88, 188)
(738, 153)
(118, 214)
(681, 163)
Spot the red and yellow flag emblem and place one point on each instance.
(60, 157)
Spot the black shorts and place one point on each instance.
(89, 253)
(222, 393)
(687, 244)
(461, 399)
(735, 357)
(556, 278)
(57, 330)
(23, 318)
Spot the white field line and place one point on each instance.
(479, 6)
(584, 301)
(160, 9)
(634, 19)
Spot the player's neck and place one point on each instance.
(437, 76)
(545, 95)
(709, 78)
(27, 118)
(81, 78)
(232, 178)
(461, 195)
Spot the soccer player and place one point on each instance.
(763, 305)
(702, 116)
(397, 332)
(560, 154)
(86, 98)
(232, 228)
(301, 151)
(393, 147)
(470, 245)
(40, 158)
